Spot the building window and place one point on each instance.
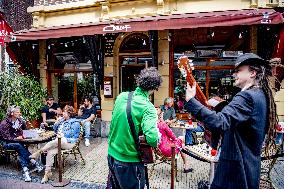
(213, 75)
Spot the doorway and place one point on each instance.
(130, 68)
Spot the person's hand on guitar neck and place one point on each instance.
(190, 91)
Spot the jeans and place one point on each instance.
(87, 128)
(279, 138)
(188, 134)
(23, 153)
(124, 175)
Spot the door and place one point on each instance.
(130, 68)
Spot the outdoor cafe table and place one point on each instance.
(42, 137)
(183, 126)
(203, 152)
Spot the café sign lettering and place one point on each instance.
(112, 28)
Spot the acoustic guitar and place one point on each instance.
(186, 67)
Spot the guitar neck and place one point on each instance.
(199, 94)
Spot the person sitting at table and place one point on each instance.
(168, 139)
(11, 128)
(86, 114)
(169, 111)
(68, 128)
(279, 133)
(50, 110)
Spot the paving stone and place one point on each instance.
(93, 175)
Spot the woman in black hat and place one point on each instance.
(246, 121)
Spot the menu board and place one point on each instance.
(109, 43)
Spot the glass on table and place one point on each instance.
(199, 136)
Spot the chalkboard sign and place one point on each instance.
(109, 42)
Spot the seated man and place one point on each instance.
(87, 114)
(169, 111)
(11, 128)
(50, 110)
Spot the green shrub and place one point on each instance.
(23, 91)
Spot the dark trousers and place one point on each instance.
(23, 153)
(125, 175)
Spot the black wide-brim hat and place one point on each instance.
(251, 59)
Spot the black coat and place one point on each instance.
(244, 123)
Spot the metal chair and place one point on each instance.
(7, 154)
(75, 150)
(160, 158)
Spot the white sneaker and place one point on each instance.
(39, 167)
(27, 176)
(87, 142)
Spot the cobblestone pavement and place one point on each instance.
(277, 174)
(94, 173)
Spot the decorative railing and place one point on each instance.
(53, 2)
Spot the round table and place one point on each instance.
(43, 137)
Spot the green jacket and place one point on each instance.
(121, 145)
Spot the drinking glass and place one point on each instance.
(199, 136)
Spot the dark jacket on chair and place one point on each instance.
(244, 124)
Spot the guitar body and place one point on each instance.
(212, 138)
(146, 151)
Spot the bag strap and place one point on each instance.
(131, 123)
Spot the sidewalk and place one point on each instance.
(15, 181)
(93, 175)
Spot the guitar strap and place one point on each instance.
(133, 131)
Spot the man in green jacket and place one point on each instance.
(126, 168)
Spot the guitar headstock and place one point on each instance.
(185, 65)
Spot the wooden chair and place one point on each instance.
(7, 154)
(75, 150)
(160, 158)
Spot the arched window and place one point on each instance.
(135, 43)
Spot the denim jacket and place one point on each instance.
(70, 129)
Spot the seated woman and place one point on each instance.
(168, 139)
(69, 129)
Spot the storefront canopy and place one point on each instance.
(5, 29)
(178, 21)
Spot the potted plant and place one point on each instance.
(21, 90)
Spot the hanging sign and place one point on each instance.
(108, 88)
(5, 31)
(113, 28)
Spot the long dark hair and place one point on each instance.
(264, 73)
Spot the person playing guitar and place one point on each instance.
(247, 122)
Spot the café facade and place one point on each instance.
(97, 48)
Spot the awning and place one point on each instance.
(5, 30)
(178, 21)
